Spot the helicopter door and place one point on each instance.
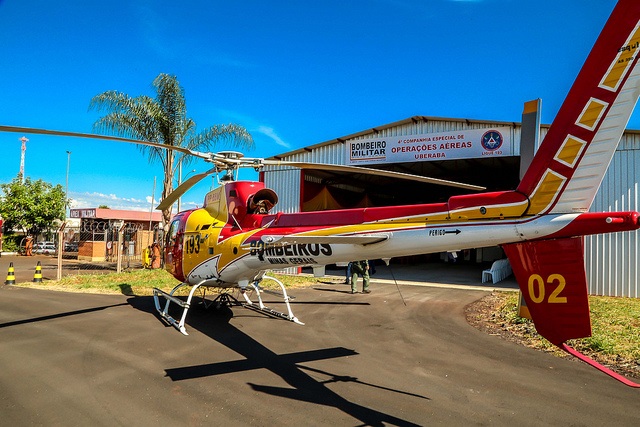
(173, 249)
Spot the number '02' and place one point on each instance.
(537, 289)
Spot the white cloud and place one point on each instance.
(95, 199)
(268, 131)
(253, 125)
(189, 205)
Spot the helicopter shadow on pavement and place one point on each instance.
(341, 291)
(216, 324)
(59, 315)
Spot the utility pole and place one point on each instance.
(179, 182)
(23, 150)
(66, 191)
(153, 202)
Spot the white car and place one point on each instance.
(44, 248)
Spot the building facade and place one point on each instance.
(611, 260)
(97, 238)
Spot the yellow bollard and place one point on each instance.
(523, 310)
(37, 277)
(11, 276)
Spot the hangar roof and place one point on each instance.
(470, 171)
(494, 173)
(412, 119)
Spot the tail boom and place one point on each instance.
(589, 223)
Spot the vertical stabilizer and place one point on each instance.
(573, 158)
(554, 285)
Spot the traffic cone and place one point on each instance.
(11, 276)
(37, 277)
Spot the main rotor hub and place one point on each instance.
(231, 155)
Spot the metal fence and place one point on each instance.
(104, 246)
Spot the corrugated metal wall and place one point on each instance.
(611, 260)
(286, 182)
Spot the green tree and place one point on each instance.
(31, 206)
(163, 120)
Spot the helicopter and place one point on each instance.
(237, 236)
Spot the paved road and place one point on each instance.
(74, 359)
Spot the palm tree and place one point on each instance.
(163, 120)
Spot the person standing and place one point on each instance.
(360, 268)
(155, 255)
(347, 278)
(28, 246)
(146, 257)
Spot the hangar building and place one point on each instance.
(439, 148)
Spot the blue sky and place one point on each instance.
(294, 73)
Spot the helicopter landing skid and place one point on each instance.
(164, 312)
(223, 300)
(266, 310)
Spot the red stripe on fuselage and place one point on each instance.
(352, 216)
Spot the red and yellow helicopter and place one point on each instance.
(236, 237)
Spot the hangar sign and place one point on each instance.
(462, 144)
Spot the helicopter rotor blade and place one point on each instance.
(35, 131)
(234, 160)
(367, 171)
(183, 188)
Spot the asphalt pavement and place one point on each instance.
(81, 359)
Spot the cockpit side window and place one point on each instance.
(173, 233)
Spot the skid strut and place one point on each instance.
(223, 299)
(164, 311)
(264, 309)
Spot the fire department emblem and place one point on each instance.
(492, 140)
